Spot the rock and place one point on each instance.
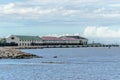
(40, 56)
(6, 53)
(55, 57)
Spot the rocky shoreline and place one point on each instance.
(10, 53)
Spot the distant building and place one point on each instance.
(24, 40)
(76, 39)
(65, 40)
(51, 40)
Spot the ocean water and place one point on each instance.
(70, 64)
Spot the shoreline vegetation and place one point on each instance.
(10, 53)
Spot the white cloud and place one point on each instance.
(103, 32)
(115, 5)
(111, 15)
(7, 8)
(47, 1)
(33, 12)
(59, 1)
(37, 9)
(99, 10)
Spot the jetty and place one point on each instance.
(10, 53)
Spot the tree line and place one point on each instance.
(8, 44)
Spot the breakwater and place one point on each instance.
(6, 53)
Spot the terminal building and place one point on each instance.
(24, 40)
(76, 39)
(27, 41)
(68, 40)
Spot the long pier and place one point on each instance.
(58, 46)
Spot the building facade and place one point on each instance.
(75, 40)
(51, 40)
(24, 40)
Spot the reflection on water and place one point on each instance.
(70, 64)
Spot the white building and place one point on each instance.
(23, 40)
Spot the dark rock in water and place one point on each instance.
(55, 57)
(9, 53)
(26, 56)
(40, 56)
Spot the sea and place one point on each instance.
(64, 64)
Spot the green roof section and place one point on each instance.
(33, 38)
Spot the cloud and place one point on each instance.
(34, 12)
(112, 15)
(101, 32)
(71, 9)
(115, 5)
(4, 9)
(59, 1)
(99, 10)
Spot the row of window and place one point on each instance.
(24, 44)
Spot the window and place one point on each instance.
(12, 38)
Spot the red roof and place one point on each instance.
(51, 38)
(69, 39)
(58, 39)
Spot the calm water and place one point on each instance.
(71, 64)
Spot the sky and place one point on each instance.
(97, 20)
